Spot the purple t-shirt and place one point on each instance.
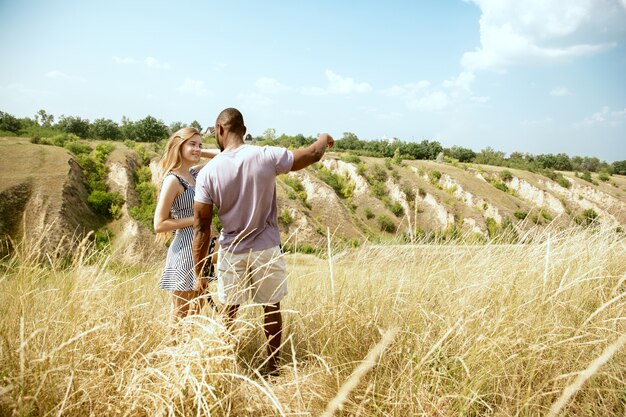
(242, 183)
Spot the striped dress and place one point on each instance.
(179, 274)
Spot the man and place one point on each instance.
(241, 182)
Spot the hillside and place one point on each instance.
(356, 199)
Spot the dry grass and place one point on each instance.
(502, 330)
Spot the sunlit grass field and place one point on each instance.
(434, 330)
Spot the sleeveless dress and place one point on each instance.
(179, 274)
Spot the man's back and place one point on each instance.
(242, 183)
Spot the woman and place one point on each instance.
(174, 213)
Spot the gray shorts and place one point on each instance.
(260, 275)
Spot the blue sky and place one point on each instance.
(534, 76)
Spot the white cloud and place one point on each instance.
(514, 32)
(406, 89)
(338, 85)
(193, 87)
(269, 85)
(420, 95)
(124, 61)
(606, 116)
(560, 92)
(154, 63)
(431, 101)
(149, 62)
(462, 82)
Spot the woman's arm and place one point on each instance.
(162, 221)
(206, 153)
(209, 153)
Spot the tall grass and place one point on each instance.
(502, 330)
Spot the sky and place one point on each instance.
(538, 76)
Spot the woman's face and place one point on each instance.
(190, 151)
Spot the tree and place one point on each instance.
(149, 129)
(9, 123)
(175, 127)
(489, 156)
(105, 129)
(462, 154)
(43, 118)
(619, 167)
(128, 128)
(196, 125)
(269, 134)
(75, 125)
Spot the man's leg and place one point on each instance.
(273, 325)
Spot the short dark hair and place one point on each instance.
(232, 120)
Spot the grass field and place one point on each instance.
(503, 330)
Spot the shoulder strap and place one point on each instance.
(182, 181)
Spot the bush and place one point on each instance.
(586, 218)
(396, 209)
(285, 217)
(492, 227)
(105, 203)
(587, 176)
(386, 224)
(506, 175)
(408, 193)
(563, 182)
(102, 151)
(520, 214)
(293, 182)
(378, 173)
(77, 148)
(435, 176)
(361, 169)
(379, 190)
(342, 185)
(63, 138)
(500, 186)
(351, 158)
(604, 176)
(368, 213)
(545, 215)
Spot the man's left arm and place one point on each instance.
(202, 217)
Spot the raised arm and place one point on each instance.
(304, 157)
(202, 217)
(206, 153)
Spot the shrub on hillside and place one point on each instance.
(285, 217)
(368, 213)
(520, 215)
(435, 176)
(586, 218)
(500, 186)
(351, 158)
(386, 224)
(604, 176)
(396, 209)
(77, 148)
(105, 203)
(506, 175)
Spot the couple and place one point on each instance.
(240, 184)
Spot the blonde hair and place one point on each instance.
(171, 161)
